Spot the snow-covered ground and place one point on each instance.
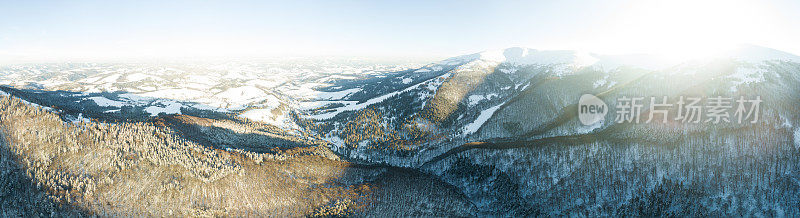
(352, 106)
(255, 89)
(261, 85)
(747, 75)
(105, 102)
(482, 118)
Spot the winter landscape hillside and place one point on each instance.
(491, 133)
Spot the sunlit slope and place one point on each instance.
(150, 170)
(486, 98)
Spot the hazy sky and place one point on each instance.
(42, 30)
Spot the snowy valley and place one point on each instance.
(497, 129)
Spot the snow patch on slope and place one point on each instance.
(240, 96)
(105, 102)
(482, 118)
(475, 99)
(177, 94)
(167, 108)
(746, 75)
(265, 115)
(422, 70)
(336, 95)
(352, 107)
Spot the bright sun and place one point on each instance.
(686, 28)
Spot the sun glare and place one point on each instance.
(686, 29)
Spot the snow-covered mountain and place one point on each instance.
(520, 93)
(501, 126)
(506, 122)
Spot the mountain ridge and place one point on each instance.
(498, 136)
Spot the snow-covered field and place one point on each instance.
(252, 88)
